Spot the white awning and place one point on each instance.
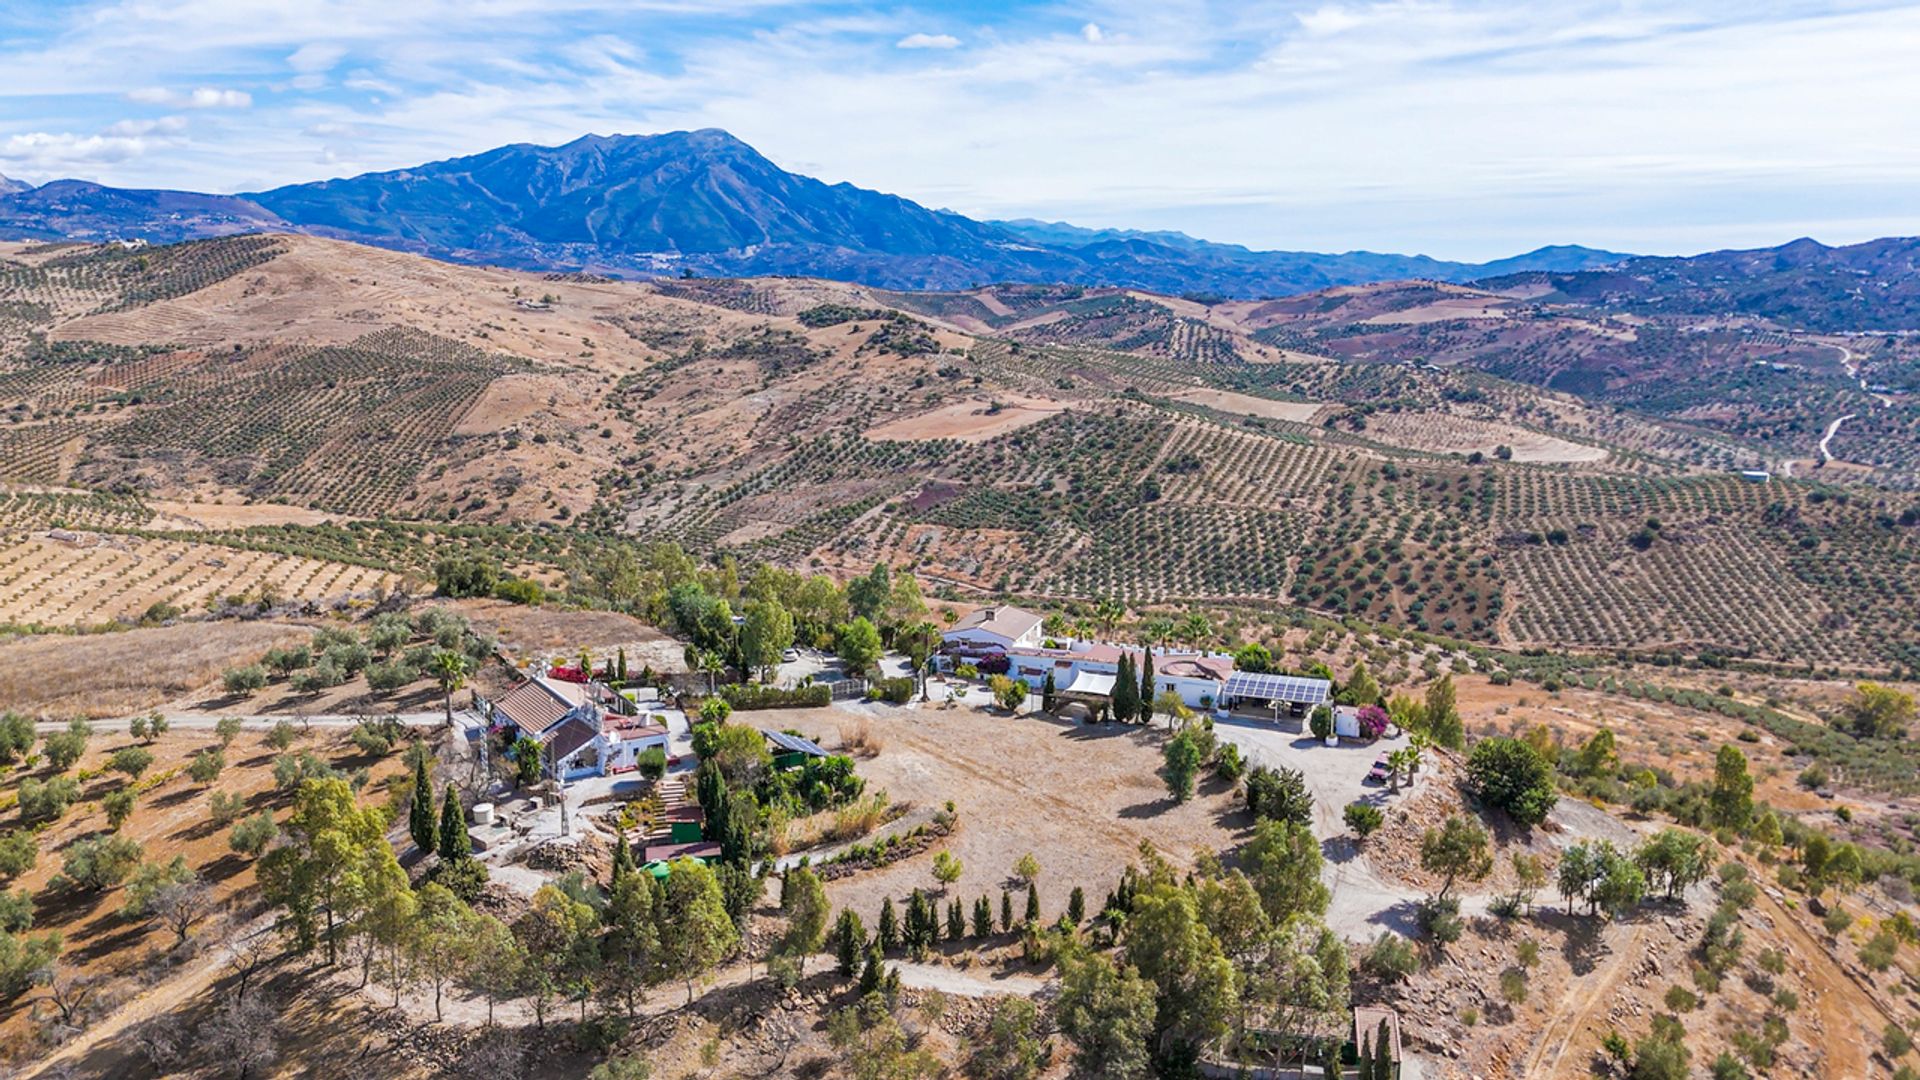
(1090, 684)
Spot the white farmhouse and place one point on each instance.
(993, 629)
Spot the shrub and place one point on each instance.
(1227, 763)
(243, 680)
(206, 766)
(252, 836)
(132, 760)
(652, 762)
(1279, 795)
(749, 696)
(18, 853)
(63, 748)
(459, 576)
(896, 691)
(1391, 958)
(390, 676)
(520, 591)
(225, 808)
(1509, 774)
(47, 801)
(370, 740)
(99, 863)
(119, 807)
(1363, 818)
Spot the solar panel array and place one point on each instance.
(1294, 688)
(794, 743)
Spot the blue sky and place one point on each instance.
(1455, 128)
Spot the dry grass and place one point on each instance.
(857, 738)
(102, 675)
(858, 818)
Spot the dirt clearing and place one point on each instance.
(970, 421)
(1300, 412)
(1080, 798)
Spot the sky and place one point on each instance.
(1453, 128)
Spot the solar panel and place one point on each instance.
(794, 743)
(1293, 688)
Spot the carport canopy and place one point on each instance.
(1292, 689)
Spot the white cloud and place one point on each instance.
(316, 57)
(205, 97)
(45, 151)
(1093, 33)
(165, 125)
(928, 41)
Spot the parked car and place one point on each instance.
(1377, 774)
(790, 655)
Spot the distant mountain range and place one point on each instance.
(705, 203)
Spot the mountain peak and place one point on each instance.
(10, 186)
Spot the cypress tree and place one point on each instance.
(1046, 693)
(982, 917)
(420, 823)
(956, 921)
(1077, 906)
(1033, 902)
(1126, 692)
(1146, 685)
(916, 931)
(1364, 1054)
(454, 842)
(874, 974)
(620, 665)
(1006, 911)
(889, 934)
(849, 942)
(1383, 1053)
(622, 856)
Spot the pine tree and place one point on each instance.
(1077, 906)
(982, 917)
(455, 844)
(420, 823)
(1146, 685)
(888, 937)
(1033, 902)
(1006, 911)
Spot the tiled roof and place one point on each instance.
(569, 736)
(538, 704)
(1007, 621)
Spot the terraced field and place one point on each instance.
(82, 579)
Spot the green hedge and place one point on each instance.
(744, 696)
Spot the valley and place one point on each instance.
(333, 512)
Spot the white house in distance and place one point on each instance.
(1196, 677)
(994, 629)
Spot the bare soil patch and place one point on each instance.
(1301, 412)
(1080, 798)
(973, 420)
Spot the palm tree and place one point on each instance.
(1158, 629)
(1196, 628)
(450, 671)
(1109, 611)
(710, 663)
